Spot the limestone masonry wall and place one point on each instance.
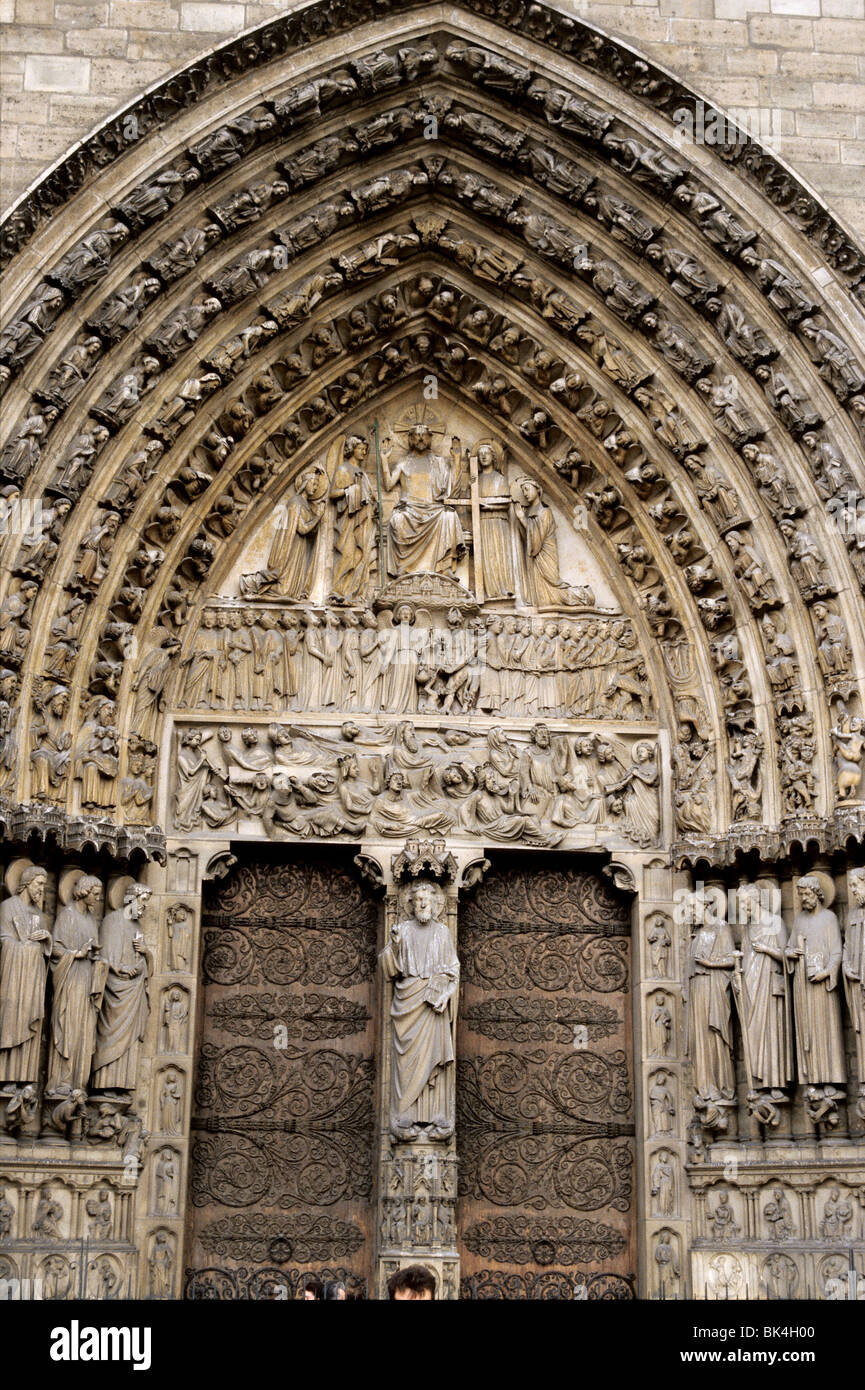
(792, 71)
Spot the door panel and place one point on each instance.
(545, 1119)
(283, 1126)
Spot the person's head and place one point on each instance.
(313, 1291)
(334, 1289)
(414, 1281)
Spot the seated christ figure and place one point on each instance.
(424, 534)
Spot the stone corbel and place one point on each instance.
(219, 866)
(372, 873)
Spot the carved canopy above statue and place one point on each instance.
(436, 352)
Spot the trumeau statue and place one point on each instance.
(25, 944)
(125, 1001)
(422, 964)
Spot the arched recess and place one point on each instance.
(484, 214)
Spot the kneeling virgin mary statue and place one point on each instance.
(421, 961)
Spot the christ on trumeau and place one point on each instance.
(421, 961)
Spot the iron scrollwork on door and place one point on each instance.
(283, 1115)
(545, 1096)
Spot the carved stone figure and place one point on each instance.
(833, 643)
(175, 1013)
(25, 944)
(661, 1102)
(171, 1102)
(814, 960)
(166, 1182)
(354, 539)
(663, 1183)
(78, 977)
(709, 1032)
(89, 259)
(52, 741)
(424, 532)
(291, 562)
(538, 527)
(764, 999)
(723, 1219)
(659, 938)
(125, 1001)
(421, 962)
(848, 741)
(160, 1265)
(779, 1216)
(48, 1215)
(494, 551)
(666, 1265)
(660, 1027)
(99, 1210)
(853, 970)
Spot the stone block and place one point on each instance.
(843, 9)
(811, 8)
(738, 9)
(838, 36)
(143, 14)
(212, 18)
(23, 108)
(72, 16)
(97, 43)
(52, 74)
(759, 62)
(781, 32)
(45, 143)
(80, 111)
(168, 48)
(799, 150)
(39, 12)
(839, 124)
(830, 65)
(843, 96)
(728, 33)
(114, 75)
(22, 38)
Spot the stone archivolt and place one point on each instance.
(620, 411)
(611, 598)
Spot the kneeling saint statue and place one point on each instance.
(421, 961)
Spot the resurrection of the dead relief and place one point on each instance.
(421, 461)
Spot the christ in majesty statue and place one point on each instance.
(424, 533)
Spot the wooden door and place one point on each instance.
(283, 1142)
(545, 1117)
